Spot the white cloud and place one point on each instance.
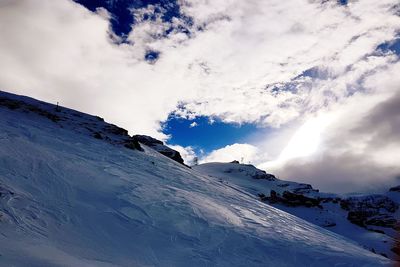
(244, 153)
(58, 51)
(241, 67)
(193, 124)
(359, 145)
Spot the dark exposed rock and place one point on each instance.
(235, 161)
(97, 135)
(133, 143)
(159, 146)
(300, 200)
(358, 217)
(17, 104)
(293, 199)
(304, 188)
(384, 255)
(396, 250)
(253, 172)
(370, 202)
(363, 219)
(113, 129)
(370, 210)
(147, 140)
(99, 118)
(10, 103)
(395, 189)
(173, 154)
(383, 220)
(273, 197)
(330, 199)
(264, 175)
(262, 197)
(283, 185)
(44, 113)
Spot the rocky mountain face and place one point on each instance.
(371, 210)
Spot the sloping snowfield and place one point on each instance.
(68, 199)
(241, 177)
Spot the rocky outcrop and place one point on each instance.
(395, 189)
(292, 199)
(376, 210)
(304, 189)
(158, 146)
(147, 140)
(373, 203)
(18, 104)
(113, 129)
(383, 220)
(132, 143)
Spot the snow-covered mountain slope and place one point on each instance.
(94, 126)
(330, 211)
(69, 199)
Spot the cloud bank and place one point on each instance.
(359, 150)
(273, 63)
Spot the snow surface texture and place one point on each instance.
(328, 214)
(68, 199)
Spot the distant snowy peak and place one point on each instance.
(248, 170)
(86, 124)
(248, 175)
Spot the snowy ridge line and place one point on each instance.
(86, 124)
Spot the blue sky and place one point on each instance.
(205, 135)
(123, 19)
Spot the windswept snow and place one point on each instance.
(68, 199)
(327, 214)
